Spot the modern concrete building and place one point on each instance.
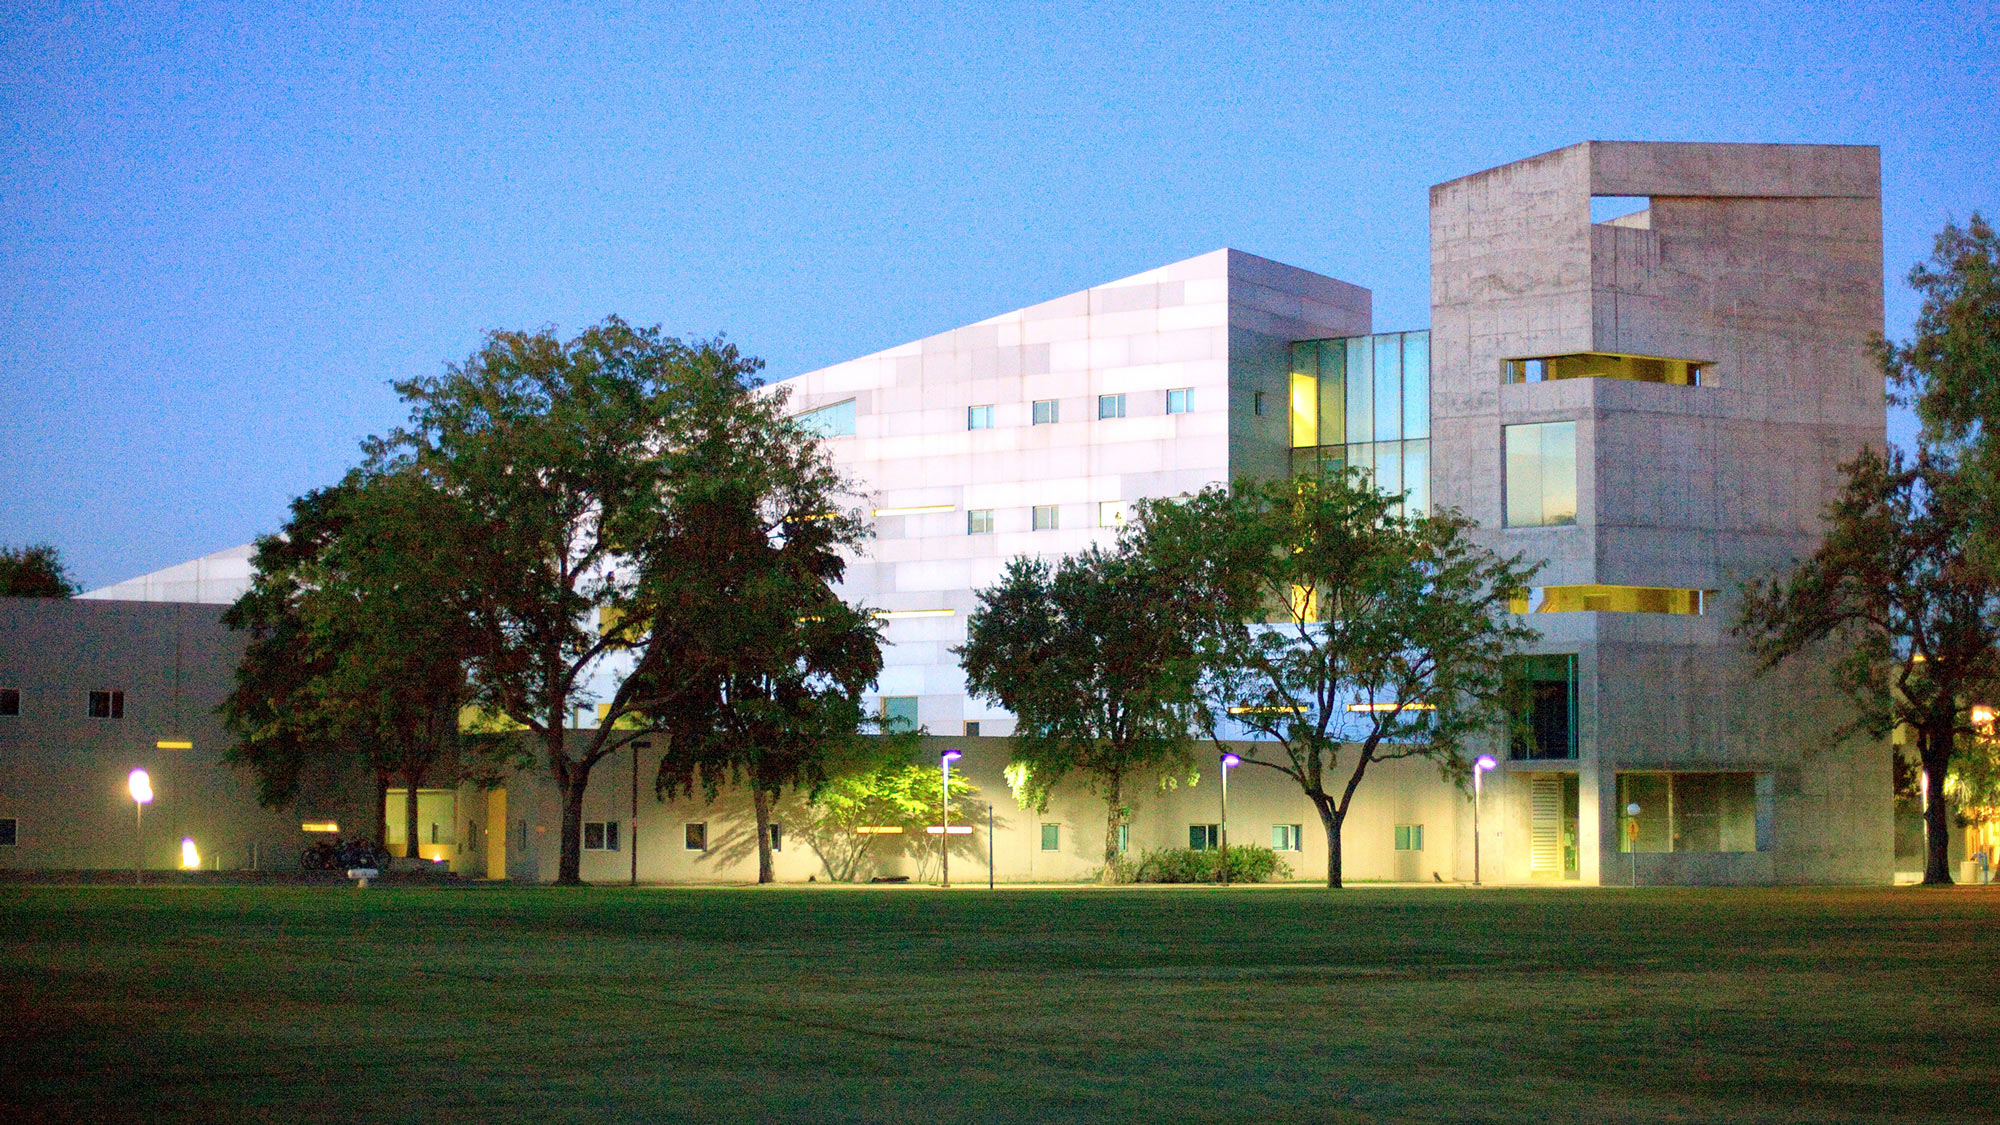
(1644, 366)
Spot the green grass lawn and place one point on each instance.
(911, 1004)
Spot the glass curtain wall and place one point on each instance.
(1364, 403)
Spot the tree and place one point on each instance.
(34, 571)
(1950, 369)
(757, 667)
(352, 656)
(1095, 658)
(893, 793)
(1337, 633)
(557, 464)
(1912, 623)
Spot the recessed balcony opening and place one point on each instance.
(1603, 365)
(1622, 211)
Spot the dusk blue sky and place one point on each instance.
(225, 228)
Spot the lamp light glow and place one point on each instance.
(1230, 760)
(951, 756)
(174, 744)
(190, 858)
(140, 785)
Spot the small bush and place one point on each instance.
(1248, 863)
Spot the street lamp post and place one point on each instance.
(140, 785)
(1228, 760)
(944, 803)
(1479, 767)
(1632, 838)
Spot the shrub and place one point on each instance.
(1248, 863)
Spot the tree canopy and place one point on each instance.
(757, 667)
(35, 571)
(1095, 656)
(1908, 622)
(352, 655)
(1338, 633)
(574, 476)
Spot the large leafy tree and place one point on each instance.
(1911, 622)
(890, 793)
(1337, 633)
(34, 571)
(756, 667)
(558, 464)
(1094, 655)
(352, 655)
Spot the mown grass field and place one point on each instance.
(910, 1004)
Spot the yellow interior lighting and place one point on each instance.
(1242, 709)
(1303, 602)
(174, 744)
(1391, 707)
(1305, 411)
(190, 858)
(1610, 599)
(320, 826)
(916, 510)
(878, 830)
(893, 614)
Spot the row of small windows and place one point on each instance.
(837, 420)
(97, 704)
(602, 836)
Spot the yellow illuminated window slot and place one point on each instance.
(1305, 411)
(1611, 599)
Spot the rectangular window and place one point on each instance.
(1111, 406)
(830, 421)
(978, 417)
(1541, 702)
(1257, 403)
(1540, 474)
(1048, 412)
(1305, 411)
(1124, 838)
(9, 832)
(777, 836)
(972, 728)
(1045, 517)
(1285, 837)
(1688, 812)
(10, 701)
(1360, 404)
(1204, 837)
(899, 712)
(107, 704)
(1388, 389)
(979, 521)
(1051, 837)
(1112, 513)
(697, 837)
(1611, 599)
(1595, 365)
(1409, 837)
(1416, 385)
(600, 836)
(1180, 401)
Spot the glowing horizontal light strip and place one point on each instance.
(916, 510)
(1391, 706)
(895, 613)
(954, 830)
(1264, 710)
(320, 826)
(878, 830)
(173, 744)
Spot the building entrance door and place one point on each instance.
(1552, 833)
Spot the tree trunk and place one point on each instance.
(381, 838)
(1331, 818)
(1114, 815)
(760, 800)
(1935, 750)
(571, 777)
(410, 816)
